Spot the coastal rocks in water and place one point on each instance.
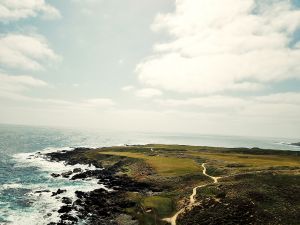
(73, 157)
(98, 206)
(80, 194)
(65, 209)
(41, 191)
(55, 174)
(67, 219)
(66, 200)
(77, 170)
(66, 174)
(87, 174)
(59, 191)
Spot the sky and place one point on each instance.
(229, 67)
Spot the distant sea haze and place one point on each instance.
(23, 176)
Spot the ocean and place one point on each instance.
(23, 175)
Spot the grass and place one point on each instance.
(150, 209)
(163, 206)
(251, 160)
(165, 166)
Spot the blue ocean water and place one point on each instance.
(21, 173)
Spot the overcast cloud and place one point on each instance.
(202, 66)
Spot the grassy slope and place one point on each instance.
(176, 168)
(164, 166)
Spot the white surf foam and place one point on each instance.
(44, 206)
(38, 159)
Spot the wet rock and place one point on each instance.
(98, 206)
(66, 217)
(80, 194)
(66, 200)
(77, 170)
(59, 191)
(55, 174)
(73, 157)
(88, 174)
(42, 191)
(64, 209)
(66, 174)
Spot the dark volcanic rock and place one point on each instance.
(42, 191)
(88, 174)
(66, 217)
(77, 170)
(55, 174)
(66, 200)
(98, 206)
(80, 194)
(73, 157)
(66, 174)
(59, 191)
(65, 209)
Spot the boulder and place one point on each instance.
(66, 174)
(59, 191)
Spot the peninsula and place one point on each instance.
(159, 184)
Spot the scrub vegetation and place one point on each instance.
(256, 186)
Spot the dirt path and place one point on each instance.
(172, 220)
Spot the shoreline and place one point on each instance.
(133, 182)
(101, 205)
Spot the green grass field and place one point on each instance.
(165, 166)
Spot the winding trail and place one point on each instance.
(172, 220)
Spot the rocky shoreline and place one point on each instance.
(145, 184)
(99, 206)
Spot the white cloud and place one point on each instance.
(148, 93)
(85, 104)
(19, 83)
(25, 52)
(11, 10)
(215, 101)
(99, 102)
(13, 88)
(224, 45)
(283, 98)
(127, 88)
(276, 107)
(58, 104)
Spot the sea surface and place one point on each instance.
(22, 173)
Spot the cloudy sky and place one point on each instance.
(189, 66)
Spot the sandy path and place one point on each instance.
(172, 220)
